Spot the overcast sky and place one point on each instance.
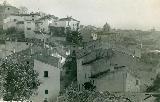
(126, 14)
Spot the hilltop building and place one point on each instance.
(43, 23)
(5, 11)
(69, 22)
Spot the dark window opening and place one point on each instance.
(15, 20)
(45, 73)
(27, 62)
(79, 87)
(45, 100)
(46, 91)
(8, 8)
(93, 82)
(28, 28)
(137, 82)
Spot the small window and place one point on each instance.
(45, 100)
(15, 20)
(27, 62)
(46, 91)
(8, 8)
(93, 82)
(45, 73)
(32, 19)
(79, 87)
(137, 82)
(28, 28)
(32, 15)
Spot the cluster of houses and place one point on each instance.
(101, 65)
(34, 25)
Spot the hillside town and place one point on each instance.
(45, 58)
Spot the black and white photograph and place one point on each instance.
(79, 50)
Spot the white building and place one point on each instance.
(49, 76)
(11, 21)
(14, 19)
(42, 24)
(69, 22)
(29, 28)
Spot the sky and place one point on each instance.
(120, 14)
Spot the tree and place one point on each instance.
(155, 88)
(19, 80)
(72, 95)
(71, 70)
(74, 37)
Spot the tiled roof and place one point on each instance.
(54, 61)
(47, 17)
(116, 69)
(100, 74)
(26, 14)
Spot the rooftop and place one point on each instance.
(47, 17)
(54, 61)
(68, 19)
(116, 69)
(30, 14)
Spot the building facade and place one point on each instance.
(5, 11)
(49, 76)
(69, 22)
(111, 68)
(43, 23)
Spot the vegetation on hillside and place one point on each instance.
(73, 95)
(19, 80)
(74, 37)
(155, 88)
(70, 70)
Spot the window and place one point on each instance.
(32, 19)
(8, 8)
(137, 82)
(45, 100)
(46, 91)
(28, 28)
(15, 20)
(45, 73)
(79, 87)
(93, 82)
(27, 62)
